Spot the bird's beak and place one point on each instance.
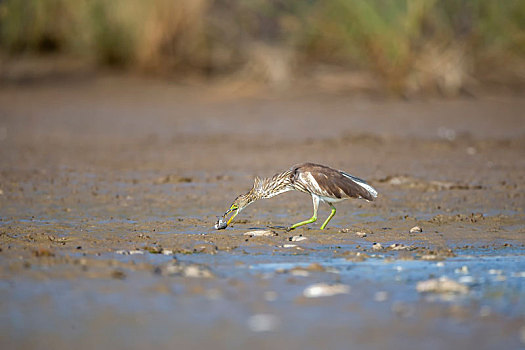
(234, 211)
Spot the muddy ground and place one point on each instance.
(109, 189)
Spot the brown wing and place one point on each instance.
(325, 181)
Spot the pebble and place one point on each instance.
(381, 296)
(522, 334)
(466, 279)
(221, 224)
(298, 238)
(270, 295)
(441, 285)
(289, 245)
(360, 234)
(471, 151)
(429, 257)
(206, 248)
(167, 251)
(485, 311)
(399, 246)
(463, 269)
(263, 322)
(260, 233)
(194, 271)
(416, 229)
(325, 290)
(298, 272)
(129, 252)
(377, 246)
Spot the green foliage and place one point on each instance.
(393, 38)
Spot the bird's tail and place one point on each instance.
(363, 184)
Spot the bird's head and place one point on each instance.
(240, 203)
(237, 206)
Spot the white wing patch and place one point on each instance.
(363, 184)
(313, 184)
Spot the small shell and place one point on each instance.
(220, 224)
(416, 229)
(259, 233)
(325, 290)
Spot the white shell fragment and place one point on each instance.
(441, 285)
(263, 323)
(221, 224)
(193, 271)
(129, 252)
(260, 233)
(325, 290)
(377, 246)
(298, 238)
(416, 229)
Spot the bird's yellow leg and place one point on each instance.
(329, 217)
(315, 200)
(305, 222)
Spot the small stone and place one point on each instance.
(485, 311)
(398, 246)
(136, 252)
(466, 279)
(416, 229)
(153, 249)
(270, 295)
(377, 246)
(299, 272)
(194, 271)
(289, 245)
(429, 257)
(471, 151)
(325, 290)
(463, 269)
(167, 251)
(441, 285)
(361, 234)
(263, 323)
(381, 296)
(316, 267)
(118, 274)
(260, 233)
(221, 224)
(298, 238)
(205, 248)
(522, 334)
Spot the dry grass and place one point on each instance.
(410, 45)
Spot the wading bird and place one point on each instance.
(323, 183)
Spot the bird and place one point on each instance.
(323, 183)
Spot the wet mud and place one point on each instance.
(109, 190)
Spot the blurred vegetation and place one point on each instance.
(409, 45)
